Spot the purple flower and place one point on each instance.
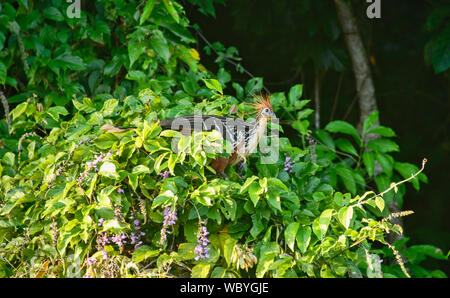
(100, 222)
(135, 236)
(119, 239)
(105, 255)
(201, 250)
(164, 174)
(108, 154)
(120, 191)
(288, 164)
(91, 261)
(170, 218)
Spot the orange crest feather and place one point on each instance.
(261, 102)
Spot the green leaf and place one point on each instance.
(345, 215)
(273, 198)
(159, 44)
(383, 183)
(239, 90)
(369, 162)
(253, 86)
(301, 126)
(19, 110)
(218, 272)
(200, 270)
(278, 99)
(229, 252)
(161, 199)
(325, 139)
(254, 192)
(339, 126)
(54, 112)
(290, 234)
(186, 251)
(257, 226)
(303, 238)
(109, 106)
(407, 170)
(382, 131)
(52, 13)
(268, 252)
(276, 184)
(108, 169)
(321, 223)
(136, 75)
(386, 162)
(143, 253)
(295, 93)
(380, 203)
(347, 178)
(346, 146)
(223, 76)
(247, 183)
(140, 169)
(213, 85)
(171, 10)
(148, 8)
(382, 145)
(168, 133)
(370, 121)
(135, 49)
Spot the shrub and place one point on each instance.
(81, 201)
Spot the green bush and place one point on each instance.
(81, 201)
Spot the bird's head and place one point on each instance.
(263, 108)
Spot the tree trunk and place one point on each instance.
(360, 63)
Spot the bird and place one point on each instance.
(243, 135)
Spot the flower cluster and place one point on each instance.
(201, 250)
(170, 218)
(55, 231)
(288, 164)
(118, 215)
(119, 239)
(92, 165)
(164, 174)
(102, 240)
(136, 234)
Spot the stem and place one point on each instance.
(317, 97)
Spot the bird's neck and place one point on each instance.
(256, 134)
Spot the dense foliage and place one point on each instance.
(80, 201)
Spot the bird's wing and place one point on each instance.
(232, 129)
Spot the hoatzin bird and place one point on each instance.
(244, 136)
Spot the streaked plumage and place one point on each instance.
(244, 136)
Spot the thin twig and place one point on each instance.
(226, 59)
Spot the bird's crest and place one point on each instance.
(261, 102)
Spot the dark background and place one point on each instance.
(412, 99)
